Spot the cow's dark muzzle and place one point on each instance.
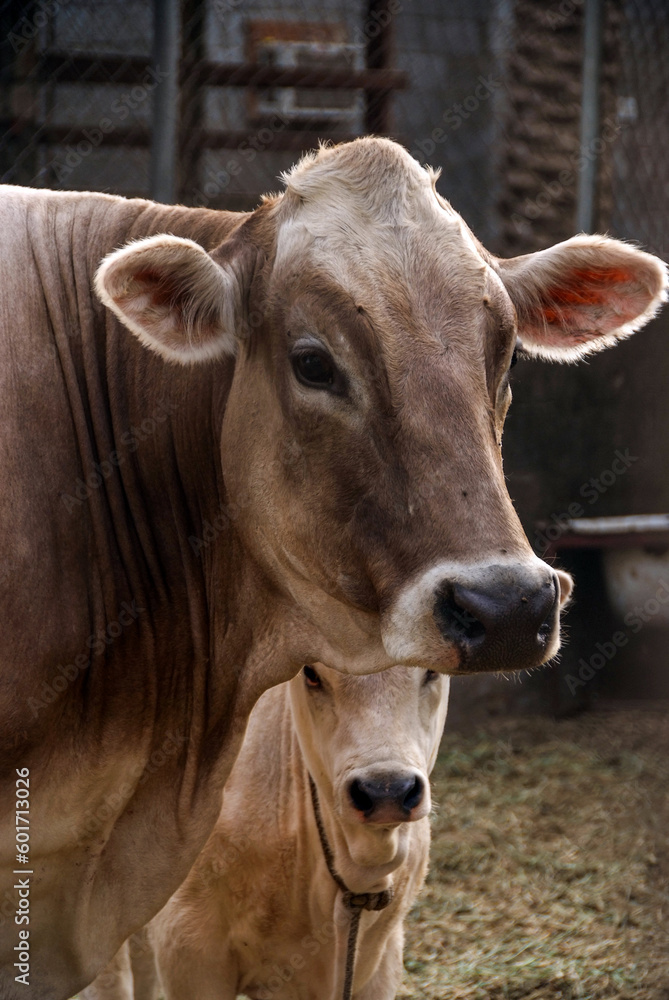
(508, 623)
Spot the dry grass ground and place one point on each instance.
(549, 877)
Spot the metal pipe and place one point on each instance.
(592, 63)
(166, 23)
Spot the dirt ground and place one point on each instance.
(549, 876)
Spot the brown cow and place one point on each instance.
(325, 485)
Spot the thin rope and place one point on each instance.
(354, 926)
(355, 902)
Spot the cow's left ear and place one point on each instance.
(173, 297)
(582, 295)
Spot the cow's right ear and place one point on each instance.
(582, 295)
(173, 297)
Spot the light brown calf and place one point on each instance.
(260, 913)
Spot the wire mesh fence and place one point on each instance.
(640, 174)
(256, 87)
(77, 95)
(490, 91)
(541, 157)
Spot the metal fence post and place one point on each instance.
(166, 52)
(592, 63)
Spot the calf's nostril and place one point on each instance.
(414, 796)
(359, 797)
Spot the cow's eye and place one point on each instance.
(314, 369)
(311, 678)
(514, 358)
(430, 677)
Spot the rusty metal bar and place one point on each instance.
(140, 135)
(81, 69)
(64, 68)
(628, 531)
(253, 75)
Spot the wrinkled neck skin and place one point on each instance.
(150, 724)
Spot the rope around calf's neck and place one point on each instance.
(355, 902)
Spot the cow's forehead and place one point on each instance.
(366, 211)
(384, 181)
(414, 287)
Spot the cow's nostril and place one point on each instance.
(510, 616)
(551, 600)
(414, 796)
(545, 632)
(454, 620)
(359, 797)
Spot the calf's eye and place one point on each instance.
(311, 678)
(314, 369)
(430, 676)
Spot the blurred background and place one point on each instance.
(546, 119)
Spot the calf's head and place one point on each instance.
(370, 744)
(373, 338)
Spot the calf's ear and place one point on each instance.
(582, 295)
(173, 297)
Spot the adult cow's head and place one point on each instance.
(373, 338)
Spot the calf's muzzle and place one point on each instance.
(388, 798)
